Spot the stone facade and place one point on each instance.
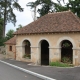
(10, 54)
(54, 40)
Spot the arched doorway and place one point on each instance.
(27, 49)
(66, 51)
(44, 52)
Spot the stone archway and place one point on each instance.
(66, 51)
(27, 49)
(44, 52)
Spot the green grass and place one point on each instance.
(26, 56)
(59, 64)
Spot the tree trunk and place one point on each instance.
(4, 29)
(35, 13)
(4, 21)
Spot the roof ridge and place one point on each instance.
(59, 12)
(77, 18)
(11, 40)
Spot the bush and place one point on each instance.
(66, 60)
(2, 40)
(27, 56)
(59, 64)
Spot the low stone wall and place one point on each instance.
(10, 55)
(2, 50)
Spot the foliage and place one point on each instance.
(20, 26)
(59, 64)
(2, 40)
(6, 11)
(33, 4)
(74, 6)
(9, 34)
(65, 45)
(1, 27)
(27, 56)
(7, 37)
(59, 8)
(46, 6)
(51, 6)
(66, 60)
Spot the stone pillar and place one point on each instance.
(35, 55)
(50, 54)
(19, 52)
(75, 57)
(39, 55)
(54, 54)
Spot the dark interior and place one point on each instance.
(66, 51)
(27, 48)
(44, 53)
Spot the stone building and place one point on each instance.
(11, 48)
(53, 37)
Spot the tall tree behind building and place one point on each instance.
(74, 6)
(19, 27)
(6, 10)
(51, 6)
(2, 40)
(46, 6)
(1, 27)
(9, 34)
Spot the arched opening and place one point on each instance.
(44, 52)
(27, 49)
(66, 52)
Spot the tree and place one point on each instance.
(51, 6)
(74, 6)
(46, 6)
(58, 7)
(1, 32)
(2, 40)
(1, 27)
(9, 34)
(6, 10)
(33, 6)
(20, 26)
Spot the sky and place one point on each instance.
(23, 18)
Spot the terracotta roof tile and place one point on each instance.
(53, 22)
(11, 41)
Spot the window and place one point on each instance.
(10, 48)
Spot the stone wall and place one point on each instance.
(2, 50)
(10, 54)
(54, 41)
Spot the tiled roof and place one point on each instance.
(11, 41)
(53, 22)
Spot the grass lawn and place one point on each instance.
(60, 64)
